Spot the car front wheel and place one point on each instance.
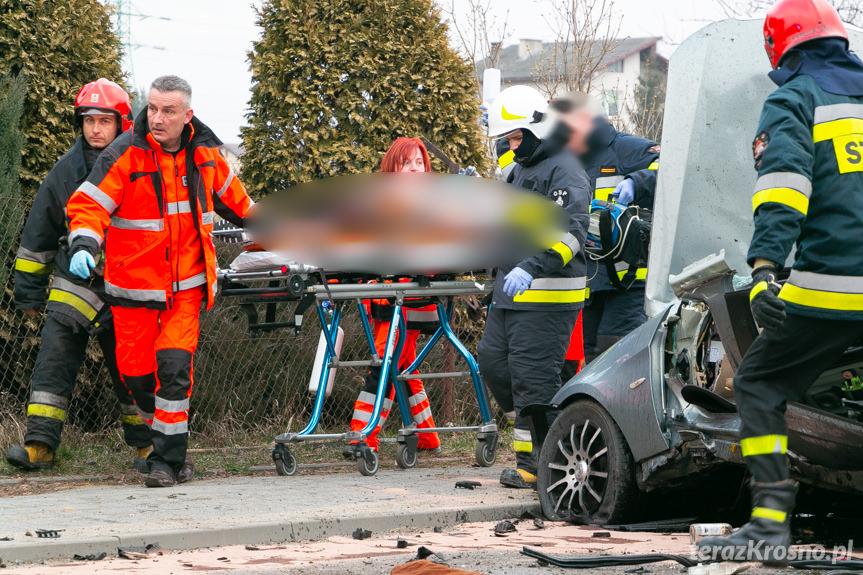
(585, 468)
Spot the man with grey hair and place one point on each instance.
(156, 190)
(622, 168)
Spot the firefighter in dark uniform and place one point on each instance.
(808, 152)
(535, 301)
(75, 308)
(623, 168)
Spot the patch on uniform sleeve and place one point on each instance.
(560, 197)
(608, 170)
(759, 144)
(654, 149)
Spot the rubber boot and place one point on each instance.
(34, 455)
(140, 464)
(767, 536)
(187, 472)
(518, 479)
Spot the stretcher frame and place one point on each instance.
(299, 286)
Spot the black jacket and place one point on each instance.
(79, 302)
(615, 156)
(559, 272)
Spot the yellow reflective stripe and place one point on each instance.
(640, 274)
(76, 302)
(132, 419)
(769, 514)
(757, 289)
(653, 166)
(602, 194)
(504, 113)
(764, 445)
(565, 252)
(821, 299)
(522, 446)
(551, 296)
(786, 196)
(33, 267)
(506, 159)
(49, 411)
(829, 130)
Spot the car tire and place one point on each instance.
(585, 467)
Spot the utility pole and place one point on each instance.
(124, 12)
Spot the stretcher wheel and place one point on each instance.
(486, 454)
(367, 462)
(286, 462)
(406, 457)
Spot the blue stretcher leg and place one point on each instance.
(386, 366)
(331, 332)
(399, 386)
(481, 398)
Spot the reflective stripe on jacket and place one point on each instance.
(158, 210)
(809, 192)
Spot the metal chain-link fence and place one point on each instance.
(243, 386)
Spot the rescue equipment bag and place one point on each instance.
(619, 233)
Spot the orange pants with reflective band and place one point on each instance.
(154, 357)
(417, 398)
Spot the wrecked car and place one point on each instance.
(657, 410)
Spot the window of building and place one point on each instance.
(610, 101)
(615, 67)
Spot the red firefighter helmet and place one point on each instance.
(103, 95)
(792, 22)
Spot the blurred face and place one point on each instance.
(514, 139)
(580, 122)
(168, 113)
(100, 130)
(414, 163)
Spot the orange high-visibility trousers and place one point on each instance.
(154, 357)
(417, 399)
(575, 353)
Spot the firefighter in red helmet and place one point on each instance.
(808, 193)
(75, 307)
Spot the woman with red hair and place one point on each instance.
(405, 155)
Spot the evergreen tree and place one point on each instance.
(13, 90)
(336, 81)
(60, 45)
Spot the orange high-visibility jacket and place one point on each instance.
(154, 212)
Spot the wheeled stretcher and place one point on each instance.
(330, 293)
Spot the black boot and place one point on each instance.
(767, 536)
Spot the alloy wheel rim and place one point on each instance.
(579, 470)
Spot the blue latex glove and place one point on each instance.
(516, 282)
(81, 264)
(468, 171)
(484, 119)
(624, 193)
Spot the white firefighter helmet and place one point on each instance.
(519, 107)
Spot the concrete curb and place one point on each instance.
(260, 533)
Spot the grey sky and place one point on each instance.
(206, 41)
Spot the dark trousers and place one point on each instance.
(779, 367)
(608, 316)
(53, 381)
(520, 357)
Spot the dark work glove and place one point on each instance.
(767, 308)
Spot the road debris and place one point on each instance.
(92, 557)
(401, 544)
(504, 528)
(467, 485)
(601, 534)
(361, 534)
(538, 523)
(45, 533)
(140, 552)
